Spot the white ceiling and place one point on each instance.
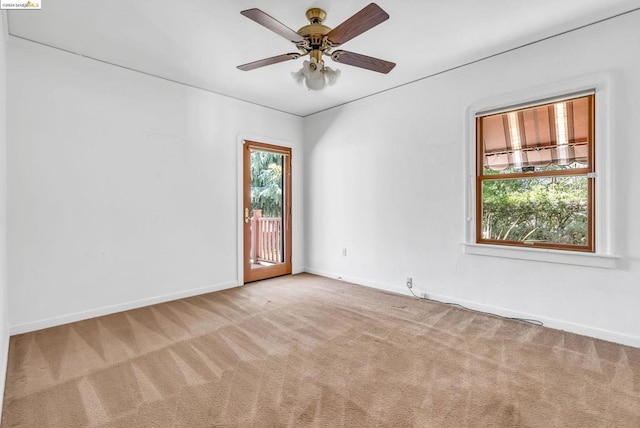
(200, 42)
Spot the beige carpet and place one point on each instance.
(304, 351)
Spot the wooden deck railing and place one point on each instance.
(266, 238)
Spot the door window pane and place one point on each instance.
(267, 201)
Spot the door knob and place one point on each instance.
(246, 215)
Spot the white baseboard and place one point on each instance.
(112, 309)
(360, 281)
(556, 324)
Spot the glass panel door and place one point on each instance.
(267, 211)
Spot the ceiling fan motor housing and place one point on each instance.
(315, 28)
(315, 33)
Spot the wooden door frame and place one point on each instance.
(249, 274)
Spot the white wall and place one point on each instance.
(4, 323)
(385, 178)
(122, 188)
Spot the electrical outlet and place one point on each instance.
(424, 295)
(409, 282)
(344, 252)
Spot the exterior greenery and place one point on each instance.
(266, 183)
(551, 209)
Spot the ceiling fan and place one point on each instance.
(316, 40)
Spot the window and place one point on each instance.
(535, 172)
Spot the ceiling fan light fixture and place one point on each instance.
(315, 75)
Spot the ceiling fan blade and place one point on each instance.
(268, 61)
(363, 61)
(272, 24)
(362, 21)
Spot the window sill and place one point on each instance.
(606, 261)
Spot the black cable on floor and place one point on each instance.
(527, 320)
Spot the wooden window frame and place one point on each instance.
(589, 171)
